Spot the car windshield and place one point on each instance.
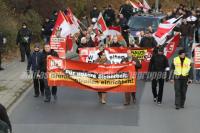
(143, 23)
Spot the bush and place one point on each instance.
(8, 26)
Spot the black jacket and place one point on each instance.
(94, 14)
(33, 61)
(126, 10)
(158, 63)
(46, 28)
(24, 36)
(148, 42)
(42, 67)
(109, 16)
(4, 116)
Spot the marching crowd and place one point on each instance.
(88, 37)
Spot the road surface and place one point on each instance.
(78, 111)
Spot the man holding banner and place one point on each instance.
(102, 60)
(42, 72)
(138, 65)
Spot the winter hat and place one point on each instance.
(181, 51)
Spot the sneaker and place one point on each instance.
(1, 69)
(177, 108)
(103, 102)
(47, 100)
(155, 100)
(126, 103)
(159, 103)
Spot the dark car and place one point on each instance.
(142, 22)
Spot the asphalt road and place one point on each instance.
(78, 111)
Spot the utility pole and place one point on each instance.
(157, 5)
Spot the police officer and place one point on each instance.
(33, 63)
(183, 75)
(2, 43)
(23, 40)
(157, 69)
(42, 69)
(5, 124)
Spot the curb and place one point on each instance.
(18, 94)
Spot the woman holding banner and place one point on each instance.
(138, 65)
(102, 60)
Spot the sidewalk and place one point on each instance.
(13, 82)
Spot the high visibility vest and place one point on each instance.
(182, 70)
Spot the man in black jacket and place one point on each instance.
(148, 41)
(23, 40)
(157, 67)
(94, 13)
(43, 71)
(126, 9)
(47, 30)
(5, 124)
(109, 16)
(33, 63)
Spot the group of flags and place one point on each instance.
(164, 29)
(67, 25)
(138, 5)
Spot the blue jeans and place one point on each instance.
(185, 42)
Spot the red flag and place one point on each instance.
(164, 29)
(146, 6)
(116, 28)
(139, 4)
(100, 24)
(62, 27)
(69, 42)
(73, 21)
(135, 5)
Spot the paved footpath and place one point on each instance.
(13, 82)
